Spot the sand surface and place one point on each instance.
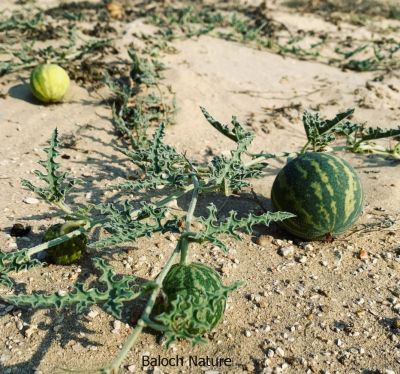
(308, 312)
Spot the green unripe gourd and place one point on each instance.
(69, 251)
(49, 83)
(195, 300)
(322, 190)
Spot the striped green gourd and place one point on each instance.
(69, 251)
(195, 300)
(322, 190)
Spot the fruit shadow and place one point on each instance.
(23, 92)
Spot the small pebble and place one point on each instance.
(286, 251)
(302, 259)
(31, 200)
(277, 242)
(263, 240)
(131, 368)
(117, 326)
(308, 247)
(20, 325)
(30, 330)
(280, 352)
(93, 313)
(171, 237)
(363, 254)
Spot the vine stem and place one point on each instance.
(142, 322)
(261, 157)
(195, 187)
(305, 147)
(189, 217)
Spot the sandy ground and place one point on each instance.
(321, 310)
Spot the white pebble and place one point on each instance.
(277, 242)
(308, 247)
(286, 251)
(31, 200)
(20, 325)
(93, 313)
(132, 368)
(117, 325)
(280, 351)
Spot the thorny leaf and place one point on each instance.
(321, 132)
(123, 227)
(58, 185)
(14, 261)
(117, 291)
(231, 225)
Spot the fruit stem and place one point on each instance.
(67, 226)
(189, 217)
(305, 147)
(51, 243)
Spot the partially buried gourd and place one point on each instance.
(49, 83)
(322, 190)
(69, 251)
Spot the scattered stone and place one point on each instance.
(117, 326)
(286, 251)
(170, 237)
(247, 333)
(308, 247)
(18, 230)
(302, 259)
(338, 342)
(20, 325)
(278, 242)
(363, 254)
(93, 313)
(31, 200)
(279, 351)
(263, 240)
(30, 330)
(267, 328)
(131, 368)
(61, 293)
